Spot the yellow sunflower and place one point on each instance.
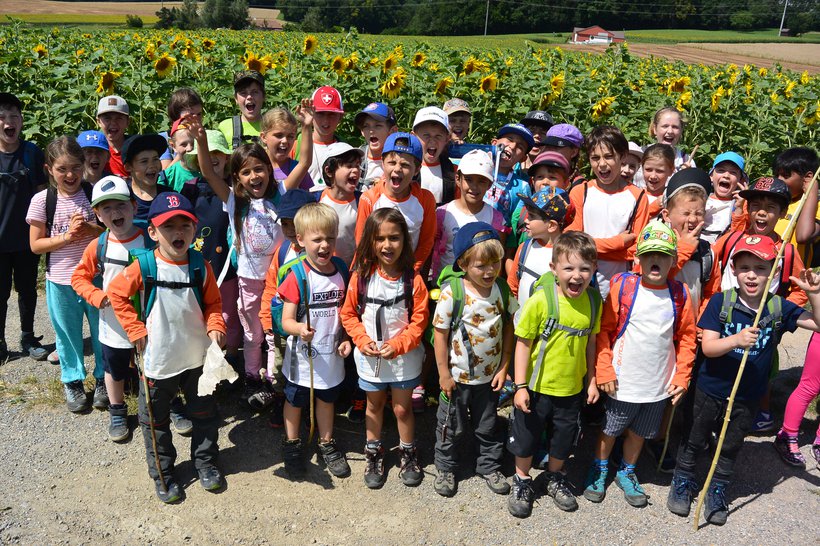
(418, 59)
(106, 83)
(150, 51)
(557, 83)
(677, 85)
(475, 65)
(763, 72)
(352, 61)
(391, 88)
(208, 44)
(602, 108)
(189, 52)
(684, 99)
(443, 84)
(40, 50)
(259, 64)
(164, 65)
(338, 65)
(789, 88)
(390, 63)
(309, 45)
(719, 93)
(488, 83)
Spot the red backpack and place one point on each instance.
(626, 300)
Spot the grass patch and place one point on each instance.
(32, 392)
(75, 19)
(674, 36)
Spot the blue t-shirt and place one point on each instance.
(503, 194)
(717, 375)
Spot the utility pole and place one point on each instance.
(487, 17)
(782, 20)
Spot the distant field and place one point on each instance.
(672, 36)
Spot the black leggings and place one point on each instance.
(21, 269)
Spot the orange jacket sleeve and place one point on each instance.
(366, 202)
(576, 197)
(512, 277)
(640, 220)
(270, 291)
(213, 302)
(740, 218)
(428, 228)
(604, 370)
(796, 294)
(82, 281)
(351, 320)
(120, 290)
(410, 338)
(655, 207)
(686, 346)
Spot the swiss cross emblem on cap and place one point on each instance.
(327, 98)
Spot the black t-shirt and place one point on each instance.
(141, 217)
(21, 173)
(212, 228)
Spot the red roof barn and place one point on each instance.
(596, 35)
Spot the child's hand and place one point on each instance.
(691, 238)
(808, 281)
(742, 185)
(699, 334)
(498, 380)
(195, 128)
(269, 332)
(521, 400)
(306, 333)
(676, 393)
(387, 352)
(104, 303)
(305, 112)
(344, 349)
(746, 338)
(447, 385)
(629, 238)
(592, 393)
(217, 336)
(139, 344)
(609, 387)
(370, 349)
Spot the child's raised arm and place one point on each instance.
(203, 155)
(305, 114)
(808, 226)
(809, 282)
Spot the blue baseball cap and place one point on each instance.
(403, 143)
(168, 204)
(468, 236)
(554, 203)
(376, 110)
(732, 157)
(293, 200)
(520, 130)
(92, 139)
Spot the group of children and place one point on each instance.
(356, 273)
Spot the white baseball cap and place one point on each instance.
(110, 187)
(340, 148)
(476, 162)
(635, 150)
(112, 103)
(432, 113)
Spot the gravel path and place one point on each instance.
(64, 482)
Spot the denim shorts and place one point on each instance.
(299, 396)
(409, 384)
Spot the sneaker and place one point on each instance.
(277, 413)
(418, 399)
(4, 352)
(763, 422)
(53, 358)
(118, 430)
(715, 504)
(170, 494)
(292, 454)
(357, 410)
(681, 492)
(595, 484)
(519, 503)
(445, 484)
(210, 478)
(409, 469)
(497, 483)
(559, 489)
(31, 346)
(374, 469)
(179, 419)
(633, 492)
(655, 449)
(815, 452)
(100, 398)
(788, 450)
(335, 459)
(257, 395)
(75, 396)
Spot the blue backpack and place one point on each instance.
(150, 282)
(102, 251)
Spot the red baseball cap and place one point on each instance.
(762, 247)
(328, 99)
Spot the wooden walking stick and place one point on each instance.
(692, 155)
(310, 361)
(666, 439)
(786, 237)
(141, 371)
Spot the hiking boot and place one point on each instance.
(179, 419)
(118, 427)
(595, 484)
(633, 492)
(559, 489)
(210, 478)
(789, 451)
(169, 495)
(335, 459)
(715, 504)
(75, 397)
(100, 399)
(256, 394)
(655, 449)
(374, 469)
(4, 352)
(519, 503)
(497, 482)
(681, 492)
(357, 410)
(53, 358)
(445, 483)
(277, 413)
(815, 452)
(292, 454)
(409, 469)
(31, 346)
(418, 399)
(763, 422)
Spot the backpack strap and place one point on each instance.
(448, 190)
(728, 304)
(522, 260)
(678, 294)
(704, 256)
(150, 281)
(626, 299)
(236, 122)
(457, 324)
(728, 248)
(505, 295)
(774, 305)
(786, 270)
(634, 212)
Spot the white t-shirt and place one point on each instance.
(372, 172)
(718, 218)
(412, 210)
(393, 320)
(607, 215)
(315, 169)
(690, 275)
(536, 262)
(111, 331)
(432, 181)
(644, 357)
(449, 219)
(346, 238)
(483, 320)
(260, 236)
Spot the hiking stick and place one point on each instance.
(787, 235)
(310, 361)
(666, 439)
(692, 155)
(141, 370)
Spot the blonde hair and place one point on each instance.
(657, 118)
(690, 192)
(575, 242)
(488, 252)
(277, 117)
(316, 217)
(664, 152)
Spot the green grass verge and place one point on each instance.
(673, 36)
(74, 19)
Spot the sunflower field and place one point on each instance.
(61, 74)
